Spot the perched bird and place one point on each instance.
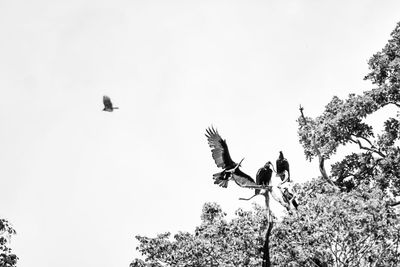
(282, 167)
(108, 106)
(264, 175)
(220, 154)
(289, 198)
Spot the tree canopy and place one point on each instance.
(336, 228)
(355, 228)
(343, 122)
(216, 242)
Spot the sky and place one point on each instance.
(78, 184)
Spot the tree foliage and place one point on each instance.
(342, 122)
(216, 242)
(7, 258)
(355, 228)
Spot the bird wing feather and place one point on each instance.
(242, 179)
(219, 149)
(258, 176)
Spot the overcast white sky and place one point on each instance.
(78, 184)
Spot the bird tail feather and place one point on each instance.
(220, 179)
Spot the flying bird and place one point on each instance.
(222, 158)
(108, 106)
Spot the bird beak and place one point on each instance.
(240, 163)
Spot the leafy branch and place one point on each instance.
(317, 151)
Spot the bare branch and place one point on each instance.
(394, 204)
(266, 187)
(367, 148)
(394, 103)
(367, 140)
(302, 114)
(247, 199)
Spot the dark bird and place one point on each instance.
(220, 154)
(289, 198)
(282, 165)
(264, 175)
(108, 106)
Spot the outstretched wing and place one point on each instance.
(242, 179)
(107, 102)
(219, 149)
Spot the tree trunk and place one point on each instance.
(266, 259)
(322, 169)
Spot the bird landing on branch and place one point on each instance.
(222, 158)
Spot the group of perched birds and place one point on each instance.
(231, 170)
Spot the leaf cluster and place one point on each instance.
(7, 258)
(216, 242)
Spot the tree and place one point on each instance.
(368, 178)
(7, 258)
(342, 123)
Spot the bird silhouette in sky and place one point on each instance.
(108, 106)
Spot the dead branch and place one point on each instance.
(255, 186)
(394, 103)
(247, 199)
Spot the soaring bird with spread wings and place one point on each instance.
(108, 106)
(222, 158)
